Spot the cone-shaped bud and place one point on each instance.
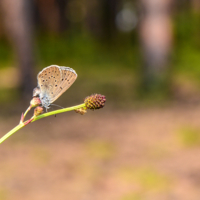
(35, 102)
(81, 111)
(95, 101)
(38, 111)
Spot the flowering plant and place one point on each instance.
(93, 102)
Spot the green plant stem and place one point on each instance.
(21, 125)
(58, 111)
(7, 135)
(27, 110)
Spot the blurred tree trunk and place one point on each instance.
(48, 14)
(196, 5)
(109, 8)
(156, 40)
(92, 19)
(52, 15)
(17, 17)
(100, 18)
(63, 22)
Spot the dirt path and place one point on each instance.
(149, 154)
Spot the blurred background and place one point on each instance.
(143, 55)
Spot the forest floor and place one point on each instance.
(142, 154)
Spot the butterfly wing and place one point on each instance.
(68, 76)
(48, 78)
(53, 81)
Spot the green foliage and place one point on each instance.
(186, 57)
(189, 136)
(148, 179)
(114, 68)
(87, 51)
(6, 54)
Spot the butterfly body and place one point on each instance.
(53, 81)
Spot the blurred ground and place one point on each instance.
(150, 154)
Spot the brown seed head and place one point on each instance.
(95, 101)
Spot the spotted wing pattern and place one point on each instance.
(53, 81)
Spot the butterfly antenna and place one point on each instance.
(57, 105)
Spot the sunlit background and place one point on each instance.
(144, 56)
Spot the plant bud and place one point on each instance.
(35, 102)
(81, 111)
(95, 101)
(38, 111)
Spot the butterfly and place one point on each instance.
(53, 81)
